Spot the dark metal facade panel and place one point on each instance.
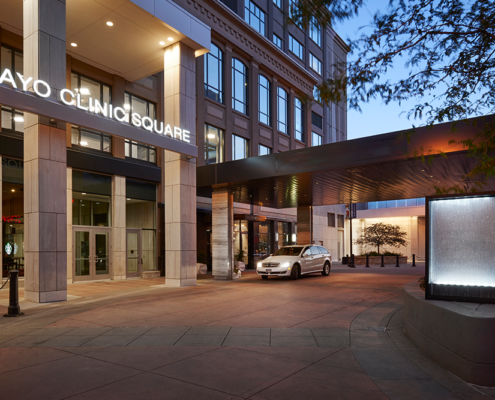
(11, 147)
(112, 166)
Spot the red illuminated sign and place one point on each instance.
(13, 219)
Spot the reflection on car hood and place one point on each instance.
(280, 259)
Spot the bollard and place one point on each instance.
(397, 262)
(383, 264)
(367, 261)
(414, 260)
(351, 262)
(14, 309)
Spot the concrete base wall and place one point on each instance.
(457, 336)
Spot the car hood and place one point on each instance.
(280, 259)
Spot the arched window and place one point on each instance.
(264, 105)
(282, 110)
(239, 86)
(214, 74)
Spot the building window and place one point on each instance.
(263, 150)
(331, 220)
(277, 41)
(264, 100)
(11, 59)
(214, 74)
(140, 151)
(282, 110)
(255, 16)
(292, 8)
(316, 120)
(133, 104)
(239, 148)
(315, 31)
(314, 63)
(239, 86)
(316, 140)
(91, 139)
(298, 120)
(316, 94)
(86, 88)
(296, 47)
(340, 221)
(213, 145)
(278, 3)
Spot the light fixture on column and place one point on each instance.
(73, 44)
(110, 23)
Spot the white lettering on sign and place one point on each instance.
(71, 99)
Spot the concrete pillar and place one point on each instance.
(179, 172)
(45, 164)
(70, 266)
(118, 239)
(221, 233)
(304, 225)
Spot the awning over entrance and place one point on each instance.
(375, 168)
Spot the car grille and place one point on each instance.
(270, 265)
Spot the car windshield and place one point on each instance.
(289, 251)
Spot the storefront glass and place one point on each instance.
(261, 240)
(141, 227)
(241, 239)
(283, 234)
(12, 216)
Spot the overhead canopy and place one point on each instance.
(375, 168)
(131, 47)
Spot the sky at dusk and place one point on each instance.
(376, 117)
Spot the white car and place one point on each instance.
(295, 261)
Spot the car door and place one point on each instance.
(306, 260)
(317, 262)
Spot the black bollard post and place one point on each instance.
(351, 262)
(367, 261)
(397, 262)
(414, 260)
(383, 264)
(14, 309)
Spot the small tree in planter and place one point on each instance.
(380, 234)
(238, 261)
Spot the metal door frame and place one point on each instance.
(140, 253)
(93, 230)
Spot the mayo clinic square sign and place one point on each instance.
(460, 241)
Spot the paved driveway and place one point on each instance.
(336, 337)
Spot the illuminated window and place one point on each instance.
(214, 74)
(89, 139)
(263, 150)
(298, 120)
(315, 31)
(214, 147)
(88, 87)
(316, 140)
(239, 86)
(134, 104)
(140, 151)
(264, 104)
(255, 16)
(11, 59)
(239, 148)
(315, 64)
(282, 110)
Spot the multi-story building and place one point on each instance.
(101, 107)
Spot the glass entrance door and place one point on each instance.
(134, 253)
(91, 254)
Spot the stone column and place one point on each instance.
(304, 225)
(179, 172)
(70, 261)
(221, 233)
(45, 154)
(118, 251)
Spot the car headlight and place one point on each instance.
(260, 265)
(285, 265)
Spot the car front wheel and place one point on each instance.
(326, 269)
(294, 274)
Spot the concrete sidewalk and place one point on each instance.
(319, 337)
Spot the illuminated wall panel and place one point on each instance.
(461, 247)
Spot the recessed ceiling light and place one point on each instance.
(73, 44)
(162, 43)
(110, 23)
(170, 39)
(12, 190)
